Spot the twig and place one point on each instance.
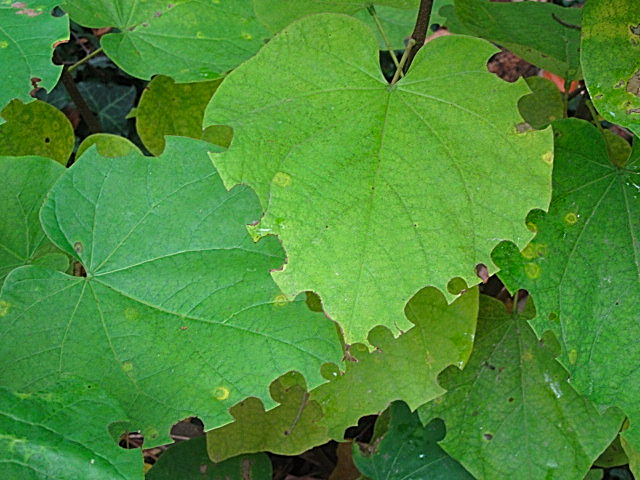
(419, 34)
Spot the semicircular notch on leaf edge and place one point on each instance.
(378, 190)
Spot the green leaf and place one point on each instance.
(177, 297)
(108, 145)
(594, 474)
(110, 103)
(610, 59)
(407, 450)
(366, 217)
(543, 105)
(396, 16)
(189, 461)
(518, 27)
(24, 182)
(633, 455)
(36, 128)
(613, 456)
(583, 268)
(167, 108)
(511, 413)
(61, 434)
(189, 40)
(438, 12)
(618, 148)
(27, 36)
(402, 368)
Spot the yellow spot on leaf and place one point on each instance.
(527, 356)
(548, 158)
(282, 179)
(4, 308)
(532, 270)
(571, 218)
(221, 393)
(280, 300)
(529, 252)
(573, 356)
(247, 36)
(429, 359)
(532, 227)
(127, 366)
(4, 44)
(200, 35)
(131, 313)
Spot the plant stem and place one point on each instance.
(372, 11)
(403, 61)
(85, 59)
(81, 104)
(594, 114)
(419, 34)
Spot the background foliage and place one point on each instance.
(250, 226)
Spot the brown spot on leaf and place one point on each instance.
(30, 12)
(633, 85)
(488, 365)
(77, 247)
(523, 127)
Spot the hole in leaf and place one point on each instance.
(633, 85)
(387, 66)
(47, 140)
(509, 67)
(482, 272)
(131, 440)
(487, 436)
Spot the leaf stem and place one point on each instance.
(403, 61)
(419, 34)
(72, 89)
(85, 59)
(372, 11)
(594, 114)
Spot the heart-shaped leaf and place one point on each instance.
(377, 190)
(583, 267)
(189, 40)
(511, 413)
(177, 297)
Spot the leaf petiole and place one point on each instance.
(372, 11)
